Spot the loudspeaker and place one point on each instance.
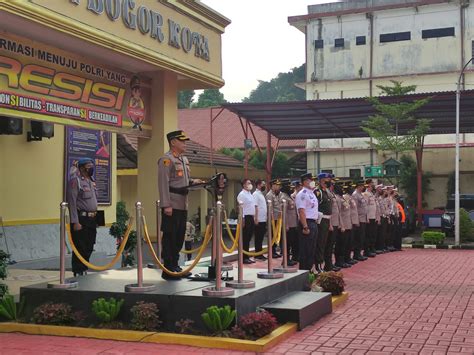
(10, 125)
(40, 130)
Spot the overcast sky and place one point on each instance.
(259, 43)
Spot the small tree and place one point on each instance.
(185, 98)
(384, 127)
(118, 229)
(408, 180)
(466, 228)
(209, 98)
(4, 257)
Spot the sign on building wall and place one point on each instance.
(44, 83)
(87, 143)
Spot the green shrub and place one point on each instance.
(433, 237)
(218, 319)
(145, 316)
(107, 311)
(466, 228)
(3, 272)
(9, 309)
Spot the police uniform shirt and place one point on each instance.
(81, 196)
(371, 205)
(335, 210)
(291, 216)
(305, 199)
(361, 206)
(324, 200)
(261, 205)
(345, 212)
(173, 172)
(276, 203)
(248, 202)
(354, 212)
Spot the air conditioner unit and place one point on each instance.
(40, 130)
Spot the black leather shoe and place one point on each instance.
(352, 261)
(261, 257)
(247, 261)
(167, 277)
(345, 265)
(371, 255)
(276, 256)
(292, 263)
(360, 258)
(379, 252)
(336, 268)
(178, 268)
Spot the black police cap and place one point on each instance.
(180, 135)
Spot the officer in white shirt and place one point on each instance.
(249, 214)
(261, 222)
(307, 206)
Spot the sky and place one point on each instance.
(259, 43)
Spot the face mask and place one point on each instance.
(276, 192)
(249, 187)
(312, 184)
(90, 171)
(328, 184)
(263, 188)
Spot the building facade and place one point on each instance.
(352, 47)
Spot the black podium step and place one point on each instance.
(300, 307)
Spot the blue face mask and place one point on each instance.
(90, 171)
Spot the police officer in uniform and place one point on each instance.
(173, 180)
(276, 197)
(359, 240)
(81, 196)
(335, 222)
(307, 207)
(325, 207)
(291, 223)
(371, 231)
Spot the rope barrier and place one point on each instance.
(235, 245)
(207, 237)
(113, 261)
(275, 239)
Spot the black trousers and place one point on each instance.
(84, 241)
(323, 231)
(249, 226)
(174, 229)
(329, 249)
(260, 230)
(292, 243)
(397, 238)
(342, 244)
(188, 245)
(359, 239)
(307, 245)
(379, 240)
(390, 233)
(371, 235)
(351, 243)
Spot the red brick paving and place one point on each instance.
(410, 302)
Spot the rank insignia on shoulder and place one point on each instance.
(166, 162)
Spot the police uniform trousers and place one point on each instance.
(307, 245)
(174, 229)
(292, 243)
(342, 244)
(381, 235)
(390, 233)
(350, 243)
(371, 235)
(323, 231)
(329, 249)
(84, 241)
(249, 225)
(260, 230)
(359, 239)
(397, 239)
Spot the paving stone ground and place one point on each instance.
(410, 302)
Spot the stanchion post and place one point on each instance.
(218, 290)
(158, 229)
(241, 283)
(269, 274)
(139, 286)
(63, 283)
(284, 268)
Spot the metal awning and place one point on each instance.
(342, 118)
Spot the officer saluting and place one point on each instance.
(173, 180)
(82, 199)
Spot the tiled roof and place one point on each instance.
(227, 131)
(196, 153)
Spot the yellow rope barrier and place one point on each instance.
(236, 240)
(113, 261)
(275, 239)
(207, 237)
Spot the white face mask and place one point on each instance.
(249, 187)
(312, 184)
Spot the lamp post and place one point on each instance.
(457, 236)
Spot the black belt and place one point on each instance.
(310, 219)
(87, 214)
(179, 190)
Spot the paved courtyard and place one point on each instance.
(410, 302)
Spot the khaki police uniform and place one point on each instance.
(346, 230)
(371, 233)
(277, 206)
(173, 180)
(81, 196)
(359, 239)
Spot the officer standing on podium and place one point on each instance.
(173, 180)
